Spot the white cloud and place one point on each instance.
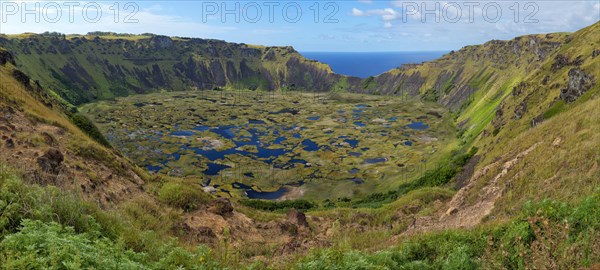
(387, 15)
(357, 12)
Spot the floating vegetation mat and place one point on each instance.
(275, 146)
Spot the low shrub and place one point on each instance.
(185, 196)
(278, 205)
(19, 201)
(40, 245)
(88, 127)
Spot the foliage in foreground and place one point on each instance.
(44, 228)
(547, 235)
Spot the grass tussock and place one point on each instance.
(187, 196)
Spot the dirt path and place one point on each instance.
(461, 214)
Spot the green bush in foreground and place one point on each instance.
(45, 228)
(41, 245)
(19, 201)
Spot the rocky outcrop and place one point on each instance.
(560, 61)
(579, 82)
(200, 234)
(9, 143)
(161, 42)
(6, 57)
(220, 206)
(50, 162)
(296, 217)
(21, 77)
(537, 120)
(295, 223)
(520, 110)
(518, 90)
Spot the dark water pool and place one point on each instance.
(375, 160)
(202, 128)
(417, 125)
(279, 140)
(153, 169)
(254, 194)
(355, 154)
(310, 146)
(215, 168)
(357, 181)
(352, 142)
(256, 122)
(183, 133)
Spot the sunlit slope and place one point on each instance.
(538, 137)
(475, 79)
(554, 110)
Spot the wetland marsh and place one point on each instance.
(274, 145)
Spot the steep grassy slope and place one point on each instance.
(40, 137)
(104, 65)
(555, 109)
(472, 80)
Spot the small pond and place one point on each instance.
(418, 125)
(375, 160)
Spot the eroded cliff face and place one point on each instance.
(452, 79)
(86, 68)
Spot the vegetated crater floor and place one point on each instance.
(276, 145)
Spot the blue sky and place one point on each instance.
(360, 26)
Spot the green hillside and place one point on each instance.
(106, 65)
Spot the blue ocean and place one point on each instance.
(365, 64)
